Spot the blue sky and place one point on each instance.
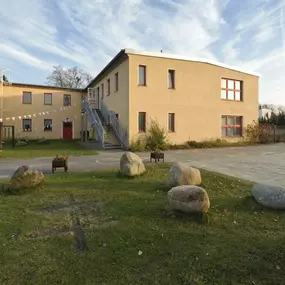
(250, 34)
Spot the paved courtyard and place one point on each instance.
(265, 163)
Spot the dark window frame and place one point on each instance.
(108, 86)
(144, 75)
(171, 122)
(116, 77)
(102, 91)
(45, 98)
(66, 96)
(142, 129)
(227, 89)
(46, 129)
(171, 79)
(27, 92)
(23, 125)
(234, 126)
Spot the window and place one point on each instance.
(142, 75)
(108, 87)
(171, 122)
(231, 89)
(231, 126)
(27, 97)
(171, 79)
(97, 92)
(47, 125)
(102, 90)
(48, 99)
(66, 100)
(27, 125)
(117, 81)
(142, 122)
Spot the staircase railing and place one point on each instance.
(121, 132)
(95, 121)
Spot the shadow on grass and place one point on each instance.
(7, 190)
(179, 216)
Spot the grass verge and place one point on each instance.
(240, 243)
(50, 149)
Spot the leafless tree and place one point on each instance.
(69, 77)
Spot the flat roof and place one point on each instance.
(178, 57)
(42, 86)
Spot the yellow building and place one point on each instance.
(192, 99)
(41, 111)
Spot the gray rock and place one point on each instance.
(182, 174)
(188, 199)
(269, 196)
(25, 177)
(131, 164)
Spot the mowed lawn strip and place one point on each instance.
(50, 149)
(134, 238)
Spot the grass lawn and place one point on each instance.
(54, 147)
(133, 237)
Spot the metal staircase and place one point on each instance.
(110, 133)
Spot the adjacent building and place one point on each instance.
(42, 111)
(192, 99)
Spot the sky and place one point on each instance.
(35, 35)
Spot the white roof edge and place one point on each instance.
(173, 56)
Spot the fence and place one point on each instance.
(272, 133)
(279, 133)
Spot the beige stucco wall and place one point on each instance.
(196, 100)
(117, 101)
(13, 107)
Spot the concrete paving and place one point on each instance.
(265, 163)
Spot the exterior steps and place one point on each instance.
(111, 141)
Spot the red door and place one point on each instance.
(67, 131)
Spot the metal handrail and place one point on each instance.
(120, 131)
(95, 121)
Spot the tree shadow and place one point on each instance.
(179, 216)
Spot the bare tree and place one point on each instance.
(4, 79)
(69, 77)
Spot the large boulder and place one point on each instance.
(131, 164)
(269, 196)
(188, 199)
(25, 177)
(182, 174)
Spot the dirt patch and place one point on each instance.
(76, 205)
(49, 233)
(84, 215)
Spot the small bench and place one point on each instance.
(156, 156)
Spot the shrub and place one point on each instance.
(258, 133)
(157, 137)
(209, 143)
(137, 145)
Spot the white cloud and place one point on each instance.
(89, 33)
(24, 57)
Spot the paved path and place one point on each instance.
(257, 163)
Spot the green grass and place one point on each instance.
(241, 243)
(51, 149)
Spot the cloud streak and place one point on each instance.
(89, 33)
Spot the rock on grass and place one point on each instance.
(269, 196)
(25, 177)
(189, 199)
(182, 174)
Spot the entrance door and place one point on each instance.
(67, 132)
